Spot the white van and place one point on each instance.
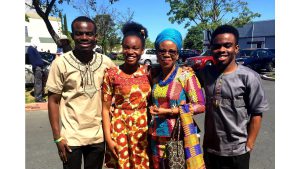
(149, 57)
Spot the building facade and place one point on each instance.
(37, 33)
(258, 34)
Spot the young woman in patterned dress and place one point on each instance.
(125, 128)
(175, 92)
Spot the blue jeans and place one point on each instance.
(40, 78)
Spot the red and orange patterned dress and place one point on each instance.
(129, 118)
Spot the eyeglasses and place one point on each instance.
(164, 52)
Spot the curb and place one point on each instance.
(36, 106)
(267, 78)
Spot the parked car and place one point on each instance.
(29, 76)
(187, 53)
(148, 57)
(113, 55)
(199, 62)
(257, 59)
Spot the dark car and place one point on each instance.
(257, 59)
(199, 62)
(113, 55)
(187, 53)
(47, 57)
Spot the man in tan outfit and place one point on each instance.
(74, 85)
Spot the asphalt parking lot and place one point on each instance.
(41, 152)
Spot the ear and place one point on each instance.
(237, 48)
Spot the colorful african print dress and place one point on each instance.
(181, 89)
(129, 118)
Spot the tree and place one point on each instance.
(108, 21)
(45, 7)
(194, 38)
(65, 26)
(208, 14)
(26, 18)
(61, 19)
(149, 43)
(106, 31)
(113, 40)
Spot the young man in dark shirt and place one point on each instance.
(235, 101)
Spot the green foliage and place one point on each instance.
(26, 18)
(61, 19)
(208, 14)
(120, 56)
(149, 44)
(113, 40)
(108, 19)
(106, 30)
(72, 43)
(194, 38)
(45, 7)
(112, 1)
(65, 26)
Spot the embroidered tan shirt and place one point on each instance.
(80, 88)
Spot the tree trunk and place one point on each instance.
(44, 16)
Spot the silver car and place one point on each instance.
(149, 57)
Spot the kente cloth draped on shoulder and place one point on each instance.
(192, 148)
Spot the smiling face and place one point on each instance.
(167, 54)
(132, 49)
(224, 49)
(84, 36)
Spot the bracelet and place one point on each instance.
(58, 140)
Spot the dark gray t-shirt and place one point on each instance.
(230, 101)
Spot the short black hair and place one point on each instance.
(225, 29)
(135, 29)
(83, 19)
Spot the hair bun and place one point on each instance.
(135, 27)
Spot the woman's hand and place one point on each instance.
(113, 147)
(154, 110)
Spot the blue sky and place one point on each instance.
(153, 13)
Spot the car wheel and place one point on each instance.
(147, 62)
(208, 63)
(270, 67)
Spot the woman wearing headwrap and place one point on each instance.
(126, 130)
(175, 92)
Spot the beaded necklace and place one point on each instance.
(169, 80)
